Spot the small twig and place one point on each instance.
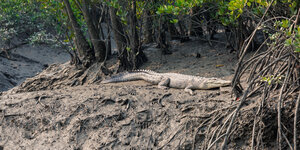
(207, 115)
(249, 62)
(177, 132)
(259, 139)
(255, 90)
(208, 129)
(257, 112)
(39, 100)
(198, 129)
(213, 143)
(215, 131)
(287, 141)
(12, 115)
(295, 122)
(279, 107)
(297, 17)
(224, 124)
(213, 135)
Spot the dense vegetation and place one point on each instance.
(83, 24)
(84, 28)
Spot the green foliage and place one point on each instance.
(226, 11)
(174, 20)
(178, 7)
(229, 12)
(141, 6)
(293, 39)
(43, 37)
(291, 33)
(272, 79)
(121, 12)
(25, 18)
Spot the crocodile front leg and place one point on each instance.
(164, 83)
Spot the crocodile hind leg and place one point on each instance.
(164, 83)
(189, 90)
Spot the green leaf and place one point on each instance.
(240, 10)
(160, 10)
(128, 49)
(288, 42)
(174, 21)
(285, 23)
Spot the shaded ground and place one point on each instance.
(131, 115)
(26, 61)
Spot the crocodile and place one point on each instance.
(172, 80)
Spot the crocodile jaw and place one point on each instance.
(214, 83)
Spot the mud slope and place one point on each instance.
(118, 116)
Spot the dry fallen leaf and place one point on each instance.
(219, 66)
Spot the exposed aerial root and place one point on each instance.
(273, 79)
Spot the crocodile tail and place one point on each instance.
(124, 77)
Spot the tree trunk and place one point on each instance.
(182, 29)
(163, 36)
(99, 45)
(133, 36)
(195, 28)
(82, 46)
(108, 42)
(120, 40)
(172, 29)
(137, 55)
(134, 39)
(117, 30)
(148, 27)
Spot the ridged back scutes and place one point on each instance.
(174, 75)
(155, 74)
(178, 75)
(145, 71)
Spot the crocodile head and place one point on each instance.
(210, 83)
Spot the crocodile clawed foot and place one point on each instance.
(192, 93)
(163, 87)
(189, 91)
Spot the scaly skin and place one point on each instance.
(173, 80)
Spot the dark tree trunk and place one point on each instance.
(108, 42)
(118, 31)
(134, 39)
(137, 55)
(172, 29)
(120, 39)
(99, 45)
(195, 28)
(83, 48)
(148, 27)
(163, 37)
(182, 29)
(129, 58)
